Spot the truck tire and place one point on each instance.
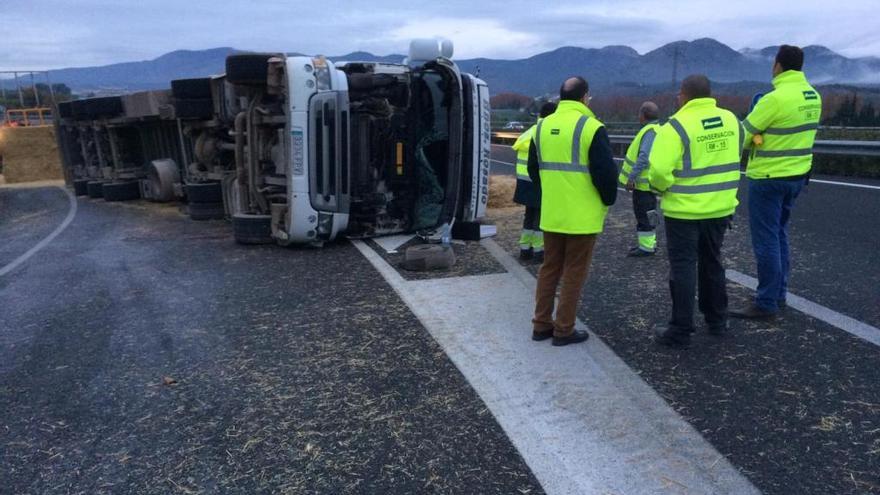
(201, 109)
(121, 191)
(204, 192)
(81, 187)
(95, 189)
(252, 229)
(206, 211)
(107, 106)
(195, 88)
(65, 110)
(249, 69)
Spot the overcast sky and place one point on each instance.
(47, 34)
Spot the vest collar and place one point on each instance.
(698, 103)
(574, 106)
(789, 77)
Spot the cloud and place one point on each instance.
(62, 33)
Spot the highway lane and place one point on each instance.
(142, 352)
(835, 235)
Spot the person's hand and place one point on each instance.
(758, 140)
(630, 185)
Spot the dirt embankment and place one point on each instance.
(501, 188)
(28, 154)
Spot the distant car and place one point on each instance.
(515, 126)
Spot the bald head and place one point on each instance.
(574, 88)
(649, 111)
(695, 86)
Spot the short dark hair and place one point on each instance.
(547, 109)
(574, 88)
(696, 86)
(649, 110)
(790, 57)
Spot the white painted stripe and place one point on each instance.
(503, 163)
(581, 418)
(848, 184)
(40, 245)
(841, 321)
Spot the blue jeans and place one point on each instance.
(770, 204)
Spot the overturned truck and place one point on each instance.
(296, 149)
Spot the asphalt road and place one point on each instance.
(142, 352)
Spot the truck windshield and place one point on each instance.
(431, 113)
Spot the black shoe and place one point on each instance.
(719, 330)
(576, 337)
(542, 335)
(538, 258)
(669, 337)
(752, 312)
(525, 254)
(638, 252)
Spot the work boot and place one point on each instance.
(671, 337)
(541, 335)
(525, 254)
(538, 257)
(752, 312)
(638, 252)
(576, 337)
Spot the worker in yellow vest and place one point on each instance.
(634, 176)
(695, 166)
(572, 164)
(781, 129)
(531, 241)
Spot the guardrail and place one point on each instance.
(825, 147)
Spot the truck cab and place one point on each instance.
(360, 149)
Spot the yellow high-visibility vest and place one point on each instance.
(570, 203)
(632, 155)
(788, 118)
(521, 146)
(695, 161)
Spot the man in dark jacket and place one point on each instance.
(531, 241)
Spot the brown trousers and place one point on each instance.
(567, 259)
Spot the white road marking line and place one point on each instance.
(829, 316)
(581, 418)
(849, 184)
(40, 245)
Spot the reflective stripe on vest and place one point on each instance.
(522, 155)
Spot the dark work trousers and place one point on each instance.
(532, 219)
(694, 248)
(643, 202)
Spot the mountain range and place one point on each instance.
(608, 69)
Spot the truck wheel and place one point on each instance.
(206, 211)
(121, 191)
(249, 69)
(202, 109)
(195, 88)
(252, 229)
(95, 189)
(163, 174)
(106, 106)
(204, 192)
(81, 187)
